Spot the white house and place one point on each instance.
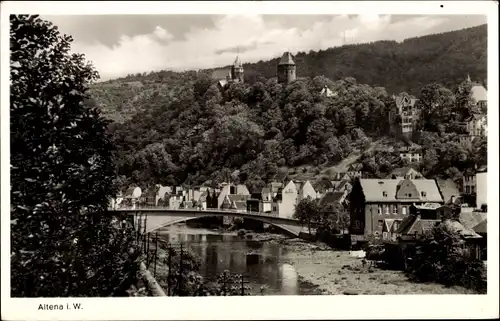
(481, 187)
(306, 190)
(285, 202)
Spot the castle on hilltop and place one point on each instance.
(286, 72)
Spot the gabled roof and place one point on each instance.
(342, 184)
(129, 192)
(447, 188)
(373, 190)
(327, 92)
(455, 227)
(479, 93)
(401, 98)
(481, 228)
(472, 219)
(414, 225)
(389, 225)
(223, 83)
(286, 59)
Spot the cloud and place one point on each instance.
(255, 37)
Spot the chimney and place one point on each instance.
(453, 199)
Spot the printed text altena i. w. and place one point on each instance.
(67, 306)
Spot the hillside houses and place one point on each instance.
(275, 198)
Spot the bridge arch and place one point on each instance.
(171, 220)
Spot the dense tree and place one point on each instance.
(441, 257)
(308, 212)
(61, 172)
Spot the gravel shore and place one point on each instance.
(336, 272)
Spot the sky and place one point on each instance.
(118, 45)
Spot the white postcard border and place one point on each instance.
(260, 307)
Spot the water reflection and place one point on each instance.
(260, 262)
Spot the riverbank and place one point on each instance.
(336, 272)
(327, 271)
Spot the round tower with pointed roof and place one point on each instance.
(237, 73)
(286, 69)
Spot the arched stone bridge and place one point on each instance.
(157, 217)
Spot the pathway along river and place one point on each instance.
(263, 264)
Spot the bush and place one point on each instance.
(441, 258)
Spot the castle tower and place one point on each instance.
(237, 73)
(286, 69)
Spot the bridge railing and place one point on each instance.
(194, 209)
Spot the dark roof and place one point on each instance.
(342, 183)
(454, 226)
(447, 188)
(414, 225)
(331, 198)
(400, 98)
(472, 219)
(286, 59)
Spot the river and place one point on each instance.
(264, 264)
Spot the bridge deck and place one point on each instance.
(160, 217)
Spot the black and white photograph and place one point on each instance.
(273, 155)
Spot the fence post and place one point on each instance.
(180, 270)
(156, 253)
(242, 286)
(169, 284)
(147, 251)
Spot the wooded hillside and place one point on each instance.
(444, 58)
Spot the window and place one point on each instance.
(379, 211)
(384, 193)
(274, 208)
(409, 195)
(424, 194)
(467, 189)
(472, 189)
(387, 209)
(380, 224)
(403, 209)
(395, 209)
